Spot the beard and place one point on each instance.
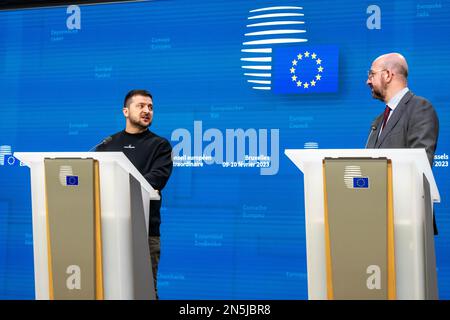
(139, 123)
(379, 93)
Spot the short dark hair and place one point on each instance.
(135, 92)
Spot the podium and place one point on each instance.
(90, 217)
(369, 214)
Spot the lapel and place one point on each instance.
(374, 133)
(398, 112)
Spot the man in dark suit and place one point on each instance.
(409, 121)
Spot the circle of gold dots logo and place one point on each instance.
(296, 72)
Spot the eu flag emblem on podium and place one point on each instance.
(72, 180)
(305, 69)
(361, 183)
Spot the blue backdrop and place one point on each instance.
(228, 231)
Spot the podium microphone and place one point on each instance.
(104, 141)
(373, 128)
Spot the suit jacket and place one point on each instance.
(413, 124)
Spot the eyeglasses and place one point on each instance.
(371, 73)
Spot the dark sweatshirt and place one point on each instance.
(152, 156)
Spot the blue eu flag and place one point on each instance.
(361, 182)
(305, 69)
(10, 160)
(72, 180)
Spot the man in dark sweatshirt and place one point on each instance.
(149, 153)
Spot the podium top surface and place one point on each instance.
(29, 158)
(303, 157)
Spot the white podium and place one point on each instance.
(412, 202)
(125, 266)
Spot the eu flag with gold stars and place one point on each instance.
(305, 69)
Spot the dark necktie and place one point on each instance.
(385, 116)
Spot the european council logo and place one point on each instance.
(274, 57)
(267, 28)
(354, 179)
(305, 69)
(66, 176)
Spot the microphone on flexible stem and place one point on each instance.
(104, 141)
(373, 128)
